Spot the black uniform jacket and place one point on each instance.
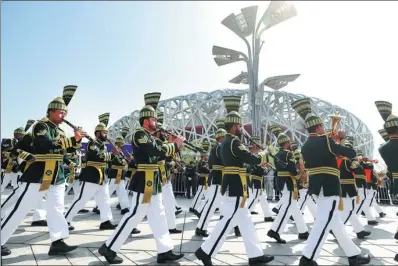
(389, 153)
(319, 154)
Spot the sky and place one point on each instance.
(118, 51)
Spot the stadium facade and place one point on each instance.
(193, 116)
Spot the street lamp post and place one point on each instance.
(244, 25)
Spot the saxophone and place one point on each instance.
(303, 176)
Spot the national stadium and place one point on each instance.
(193, 117)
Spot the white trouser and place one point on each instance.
(306, 200)
(369, 202)
(169, 205)
(234, 215)
(374, 203)
(10, 177)
(120, 192)
(88, 190)
(328, 218)
(289, 207)
(154, 210)
(203, 200)
(214, 202)
(278, 205)
(348, 214)
(28, 199)
(198, 196)
(39, 212)
(75, 186)
(269, 184)
(264, 204)
(362, 197)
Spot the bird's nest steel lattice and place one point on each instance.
(193, 116)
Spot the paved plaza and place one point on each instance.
(30, 245)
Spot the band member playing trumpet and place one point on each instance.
(319, 153)
(45, 177)
(287, 175)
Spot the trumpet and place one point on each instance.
(283, 164)
(335, 122)
(92, 139)
(188, 145)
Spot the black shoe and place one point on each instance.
(307, 262)
(39, 223)
(109, 255)
(118, 206)
(168, 256)
(268, 219)
(303, 236)
(71, 227)
(276, 236)
(254, 213)
(221, 216)
(96, 210)
(178, 208)
(396, 257)
(362, 234)
(135, 231)
(59, 247)
(237, 231)
(124, 211)
(373, 222)
(5, 251)
(217, 210)
(202, 256)
(396, 235)
(275, 210)
(382, 214)
(83, 211)
(175, 231)
(363, 213)
(200, 232)
(191, 210)
(260, 260)
(358, 260)
(107, 226)
(291, 218)
(178, 212)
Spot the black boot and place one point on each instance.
(107, 226)
(59, 247)
(5, 251)
(175, 231)
(307, 262)
(358, 260)
(275, 210)
(373, 222)
(109, 255)
(124, 211)
(135, 231)
(268, 219)
(83, 211)
(276, 236)
(260, 260)
(96, 210)
(237, 231)
(303, 236)
(177, 212)
(202, 256)
(39, 223)
(168, 256)
(362, 234)
(71, 227)
(200, 232)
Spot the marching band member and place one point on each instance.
(234, 187)
(287, 183)
(389, 150)
(93, 181)
(45, 177)
(349, 192)
(319, 153)
(146, 185)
